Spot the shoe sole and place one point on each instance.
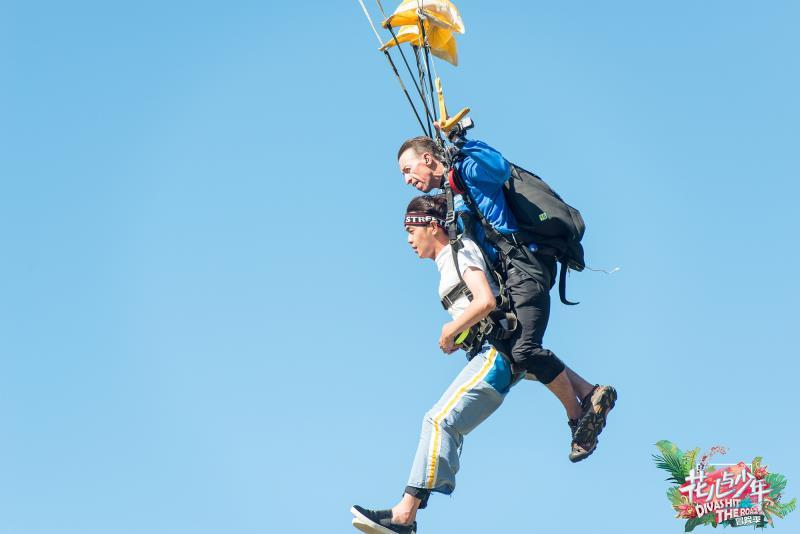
(363, 527)
(576, 459)
(365, 524)
(602, 403)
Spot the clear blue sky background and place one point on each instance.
(210, 321)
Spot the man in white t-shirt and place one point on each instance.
(477, 391)
(469, 256)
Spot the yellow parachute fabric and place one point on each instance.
(441, 41)
(440, 19)
(440, 13)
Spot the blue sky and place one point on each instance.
(209, 318)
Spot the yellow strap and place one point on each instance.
(446, 123)
(461, 337)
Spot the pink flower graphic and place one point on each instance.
(685, 511)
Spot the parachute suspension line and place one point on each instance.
(413, 78)
(405, 91)
(435, 107)
(394, 67)
(421, 74)
(380, 6)
(428, 61)
(435, 76)
(369, 19)
(425, 66)
(428, 115)
(428, 58)
(433, 66)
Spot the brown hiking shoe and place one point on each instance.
(580, 450)
(596, 406)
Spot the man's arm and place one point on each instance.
(483, 166)
(482, 304)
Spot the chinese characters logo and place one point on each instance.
(713, 494)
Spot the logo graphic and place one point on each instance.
(713, 494)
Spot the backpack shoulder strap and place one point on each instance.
(517, 253)
(562, 285)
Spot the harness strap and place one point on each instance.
(512, 248)
(499, 332)
(456, 293)
(477, 334)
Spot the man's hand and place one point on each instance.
(457, 133)
(446, 342)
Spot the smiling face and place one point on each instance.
(420, 170)
(425, 240)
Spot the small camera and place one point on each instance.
(460, 128)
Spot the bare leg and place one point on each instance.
(405, 512)
(579, 385)
(562, 388)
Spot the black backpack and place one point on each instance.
(543, 218)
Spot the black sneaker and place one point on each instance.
(580, 450)
(596, 406)
(378, 522)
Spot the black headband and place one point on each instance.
(419, 218)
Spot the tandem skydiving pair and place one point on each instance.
(489, 266)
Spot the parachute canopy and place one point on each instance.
(440, 13)
(429, 26)
(439, 18)
(441, 41)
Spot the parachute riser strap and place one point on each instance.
(450, 218)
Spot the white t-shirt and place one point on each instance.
(469, 256)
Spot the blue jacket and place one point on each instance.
(483, 171)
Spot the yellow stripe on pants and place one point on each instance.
(436, 442)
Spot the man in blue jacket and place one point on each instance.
(482, 170)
